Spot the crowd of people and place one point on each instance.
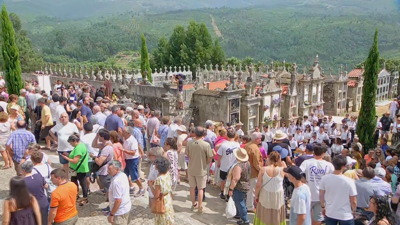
(310, 171)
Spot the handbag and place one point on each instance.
(155, 140)
(51, 187)
(73, 172)
(158, 204)
(95, 167)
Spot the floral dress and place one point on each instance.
(173, 169)
(168, 217)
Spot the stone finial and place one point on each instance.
(229, 67)
(284, 65)
(170, 69)
(341, 69)
(188, 68)
(384, 65)
(316, 58)
(240, 67)
(345, 68)
(184, 68)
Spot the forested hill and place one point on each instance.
(340, 31)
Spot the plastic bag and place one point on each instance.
(230, 210)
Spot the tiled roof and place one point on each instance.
(213, 85)
(352, 83)
(265, 76)
(355, 73)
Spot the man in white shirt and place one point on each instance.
(98, 115)
(118, 195)
(53, 106)
(239, 130)
(226, 158)
(131, 152)
(62, 101)
(268, 134)
(172, 128)
(64, 129)
(316, 168)
(338, 194)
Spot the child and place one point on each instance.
(293, 143)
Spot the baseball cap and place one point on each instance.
(140, 107)
(15, 107)
(295, 171)
(129, 109)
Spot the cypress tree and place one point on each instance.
(366, 123)
(144, 61)
(12, 67)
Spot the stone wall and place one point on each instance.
(329, 99)
(208, 105)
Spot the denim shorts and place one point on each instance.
(132, 168)
(62, 160)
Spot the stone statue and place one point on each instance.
(167, 86)
(86, 73)
(107, 75)
(80, 71)
(99, 74)
(92, 75)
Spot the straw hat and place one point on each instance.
(15, 107)
(239, 124)
(241, 154)
(182, 128)
(279, 135)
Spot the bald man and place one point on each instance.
(98, 116)
(64, 130)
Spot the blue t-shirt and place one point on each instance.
(301, 204)
(85, 111)
(113, 122)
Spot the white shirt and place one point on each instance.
(119, 189)
(2, 82)
(268, 136)
(292, 129)
(293, 143)
(315, 129)
(44, 170)
(337, 199)
(345, 135)
(240, 132)
(299, 137)
(393, 106)
(4, 106)
(131, 144)
(225, 151)
(172, 130)
(307, 135)
(305, 123)
(59, 110)
(152, 176)
(336, 149)
(53, 107)
(87, 139)
(315, 170)
(63, 133)
(322, 137)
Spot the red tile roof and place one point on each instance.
(265, 76)
(351, 83)
(356, 73)
(213, 85)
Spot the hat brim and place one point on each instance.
(242, 159)
(280, 138)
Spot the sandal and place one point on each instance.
(83, 202)
(6, 167)
(200, 211)
(194, 206)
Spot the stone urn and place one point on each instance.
(167, 86)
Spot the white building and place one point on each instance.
(382, 92)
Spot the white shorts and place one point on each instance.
(2, 147)
(382, 132)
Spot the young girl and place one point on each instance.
(337, 147)
(299, 136)
(293, 143)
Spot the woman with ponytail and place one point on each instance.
(269, 192)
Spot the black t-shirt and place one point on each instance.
(99, 93)
(386, 121)
(180, 86)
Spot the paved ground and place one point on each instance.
(214, 208)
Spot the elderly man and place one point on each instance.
(200, 155)
(239, 130)
(384, 186)
(211, 136)
(64, 130)
(118, 195)
(132, 159)
(386, 122)
(33, 102)
(172, 128)
(101, 118)
(256, 163)
(17, 144)
(152, 126)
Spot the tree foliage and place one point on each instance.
(191, 47)
(366, 122)
(144, 61)
(12, 67)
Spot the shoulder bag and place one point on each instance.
(94, 168)
(72, 172)
(158, 204)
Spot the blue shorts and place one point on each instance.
(132, 168)
(62, 160)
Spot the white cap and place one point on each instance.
(140, 107)
(129, 109)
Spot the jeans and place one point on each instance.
(81, 177)
(331, 221)
(365, 213)
(239, 198)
